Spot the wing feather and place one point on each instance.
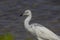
(44, 32)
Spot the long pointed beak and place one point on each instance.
(21, 14)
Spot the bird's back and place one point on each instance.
(44, 32)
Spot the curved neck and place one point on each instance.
(27, 20)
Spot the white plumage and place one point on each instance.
(40, 31)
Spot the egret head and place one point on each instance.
(27, 12)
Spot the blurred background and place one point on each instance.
(45, 12)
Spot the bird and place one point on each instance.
(41, 32)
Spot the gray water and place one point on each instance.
(45, 12)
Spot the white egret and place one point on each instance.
(41, 32)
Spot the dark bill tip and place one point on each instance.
(21, 14)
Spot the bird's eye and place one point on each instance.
(26, 12)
